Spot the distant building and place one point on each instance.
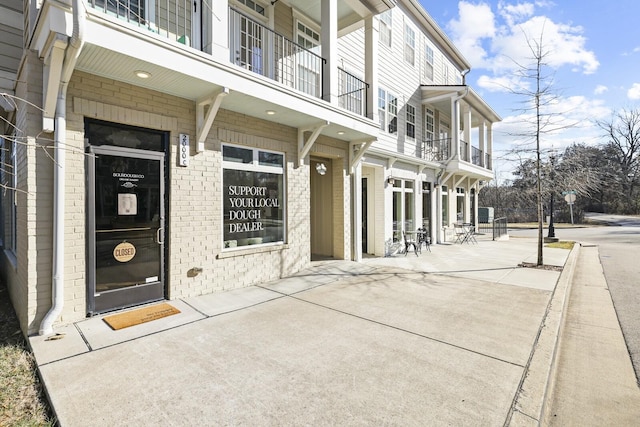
(160, 150)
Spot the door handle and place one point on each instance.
(159, 239)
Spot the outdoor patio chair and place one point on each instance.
(423, 239)
(409, 241)
(461, 233)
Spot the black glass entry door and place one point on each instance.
(126, 227)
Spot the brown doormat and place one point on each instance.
(141, 315)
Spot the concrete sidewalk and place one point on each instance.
(458, 336)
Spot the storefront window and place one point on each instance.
(253, 191)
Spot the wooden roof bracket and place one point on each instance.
(305, 146)
(204, 120)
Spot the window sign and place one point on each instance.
(253, 194)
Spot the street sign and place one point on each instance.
(564, 193)
(570, 198)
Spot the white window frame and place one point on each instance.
(255, 166)
(428, 62)
(307, 80)
(429, 124)
(410, 122)
(261, 16)
(409, 45)
(388, 111)
(9, 180)
(386, 28)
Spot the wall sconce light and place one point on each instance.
(321, 168)
(426, 186)
(391, 181)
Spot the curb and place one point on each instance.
(537, 382)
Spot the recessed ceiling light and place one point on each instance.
(270, 112)
(142, 74)
(341, 132)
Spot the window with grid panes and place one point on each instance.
(411, 121)
(392, 112)
(253, 6)
(428, 63)
(409, 45)
(388, 111)
(385, 28)
(308, 76)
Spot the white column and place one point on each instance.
(490, 144)
(455, 126)
(329, 39)
(466, 119)
(371, 65)
(438, 214)
(217, 38)
(481, 141)
(356, 197)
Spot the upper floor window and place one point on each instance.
(388, 111)
(385, 28)
(411, 121)
(445, 73)
(409, 45)
(307, 37)
(428, 62)
(252, 5)
(429, 127)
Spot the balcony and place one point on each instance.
(352, 94)
(464, 149)
(437, 150)
(252, 46)
(262, 51)
(476, 156)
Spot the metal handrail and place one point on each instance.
(259, 49)
(437, 150)
(352, 92)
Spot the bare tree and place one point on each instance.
(622, 149)
(538, 96)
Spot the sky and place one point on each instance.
(592, 63)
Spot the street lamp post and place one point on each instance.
(552, 173)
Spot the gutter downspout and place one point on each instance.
(57, 286)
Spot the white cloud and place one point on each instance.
(600, 89)
(634, 92)
(499, 43)
(475, 23)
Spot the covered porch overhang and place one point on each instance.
(171, 68)
(440, 98)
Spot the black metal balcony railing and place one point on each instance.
(476, 156)
(251, 45)
(437, 150)
(170, 18)
(352, 93)
(464, 147)
(263, 51)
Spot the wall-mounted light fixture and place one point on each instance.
(321, 168)
(391, 181)
(426, 186)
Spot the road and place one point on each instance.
(619, 246)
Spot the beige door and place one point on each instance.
(321, 210)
